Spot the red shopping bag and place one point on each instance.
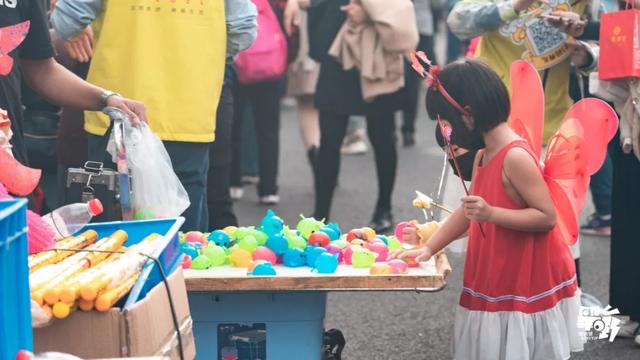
(619, 44)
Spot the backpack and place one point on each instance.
(266, 59)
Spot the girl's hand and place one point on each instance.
(355, 13)
(476, 209)
(421, 254)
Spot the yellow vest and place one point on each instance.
(169, 55)
(530, 38)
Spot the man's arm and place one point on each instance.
(62, 87)
(71, 17)
(242, 26)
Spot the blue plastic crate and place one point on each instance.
(168, 253)
(15, 302)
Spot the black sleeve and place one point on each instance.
(37, 45)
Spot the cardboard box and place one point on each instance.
(145, 329)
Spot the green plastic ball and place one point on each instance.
(363, 258)
(249, 243)
(261, 237)
(216, 254)
(340, 243)
(202, 262)
(242, 232)
(297, 242)
(394, 244)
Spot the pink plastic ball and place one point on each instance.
(399, 228)
(195, 237)
(347, 254)
(186, 262)
(398, 266)
(264, 253)
(334, 249)
(381, 249)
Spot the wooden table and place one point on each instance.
(289, 306)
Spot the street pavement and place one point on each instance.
(401, 325)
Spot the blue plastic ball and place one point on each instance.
(220, 238)
(326, 263)
(294, 257)
(189, 249)
(312, 254)
(264, 269)
(271, 224)
(278, 244)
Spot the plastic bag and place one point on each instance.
(157, 191)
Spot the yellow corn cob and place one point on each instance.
(110, 296)
(69, 290)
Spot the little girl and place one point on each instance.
(519, 298)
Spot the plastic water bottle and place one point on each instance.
(69, 219)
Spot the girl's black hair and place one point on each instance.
(474, 85)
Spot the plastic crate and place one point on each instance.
(15, 303)
(168, 253)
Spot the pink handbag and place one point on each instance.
(266, 59)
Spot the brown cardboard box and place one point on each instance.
(146, 329)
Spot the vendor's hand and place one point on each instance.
(476, 208)
(136, 110)
(567, 22)
(80, 47)
(355, 13)
(580, 56)
(291, 16)
(522, 5)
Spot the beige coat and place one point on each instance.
(376, 48)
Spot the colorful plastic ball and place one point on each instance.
(355, 234)
(340, 243)
(399, 228)
(369, 233)
(241, 232)
(143, 214)
(278, 244)
(334, 249)
(248, 243)
(194, 237)
(261, 237)
(186, 262)
(358, 242)
(336, 228)
(312, 253)
(319, 238)
(411, 262)
(271, 224)
(288, 233)
(220, 238)
(189, 249)
(326, 263)
(263, 269)
(380, 269)
(297, 242)
(240, 258)
(380, 249)
(394, 244)
(398, 266)
(201, 263)
(308, 226)
(265, 254)
(216, 254)
(230, 230)
(294, 258)
(363, 258)
(347, 253)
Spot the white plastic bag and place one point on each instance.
(157, 191)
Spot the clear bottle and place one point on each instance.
(69, 219)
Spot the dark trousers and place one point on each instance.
(381, 132)
(221, 212)
(190, 162)
(624, 289)
(264, 100)
(412, 87)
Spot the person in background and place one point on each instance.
(28, 55)
(339, 95)
(241, 33)
(427, 29)
(173, 58)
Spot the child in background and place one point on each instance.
(519, 297)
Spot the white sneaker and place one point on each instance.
(637, 340)
(236, 193)
(358, 147)
(269, 199)
(628, 330)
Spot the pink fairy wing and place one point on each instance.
(527, 104)
(566, 218)
(599, 123)
(17, 178)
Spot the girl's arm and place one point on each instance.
(525, 177)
